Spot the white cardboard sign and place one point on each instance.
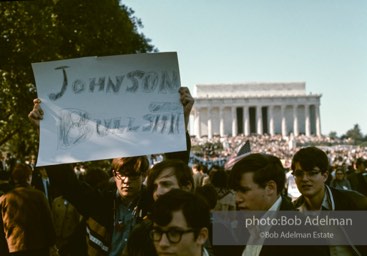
(106, 107)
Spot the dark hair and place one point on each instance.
(96, 177)
(360, 161)
(129, 165)
(139, 243)
(265, 168)
(182, 172)
(311, 157)
(219, 178)
(194, 209)
(208, 194)
(203, 168)
(21, 173)
(4, 176)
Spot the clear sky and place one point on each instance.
(320, 42)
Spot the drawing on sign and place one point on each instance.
(77, 126)
(73, 128)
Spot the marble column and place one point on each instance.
(221, 124)
(284, 123)
(259, 120)
(246, 123)
(210, 133)
(271, 120)
(318, 122)
(295, 120)
(197, 123)
(234, 121)
(307, 120)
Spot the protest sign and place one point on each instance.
(106, 107)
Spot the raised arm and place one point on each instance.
(187, 102)
(36, 114)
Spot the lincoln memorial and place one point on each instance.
(255, 108)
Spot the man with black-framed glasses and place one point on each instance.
(310, 167)
(180, 224)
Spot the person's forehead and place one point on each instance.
(166, 174)
(247, 179)
(298, 166)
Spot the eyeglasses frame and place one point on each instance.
(161, 232)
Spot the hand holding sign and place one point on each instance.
(108, 107)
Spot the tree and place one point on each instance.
(355, 134)
(333, 135)
(44, 30)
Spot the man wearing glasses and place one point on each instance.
(180, 224)
(129, 203)
(310, 167)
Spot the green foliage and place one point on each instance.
(333, 135)
(44, 30)
(355, 134)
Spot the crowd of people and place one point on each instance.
(340, 151)
(165, 204)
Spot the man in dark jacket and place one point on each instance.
(110, 214)
(258, 180)
(310, 167)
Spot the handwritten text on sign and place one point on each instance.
(98, 108)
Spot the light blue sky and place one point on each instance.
(320, 42)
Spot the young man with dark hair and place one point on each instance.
(358, 178)
(180, 224)
(110, 214)
(258, 180)
(310, 167)
(169, 174)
